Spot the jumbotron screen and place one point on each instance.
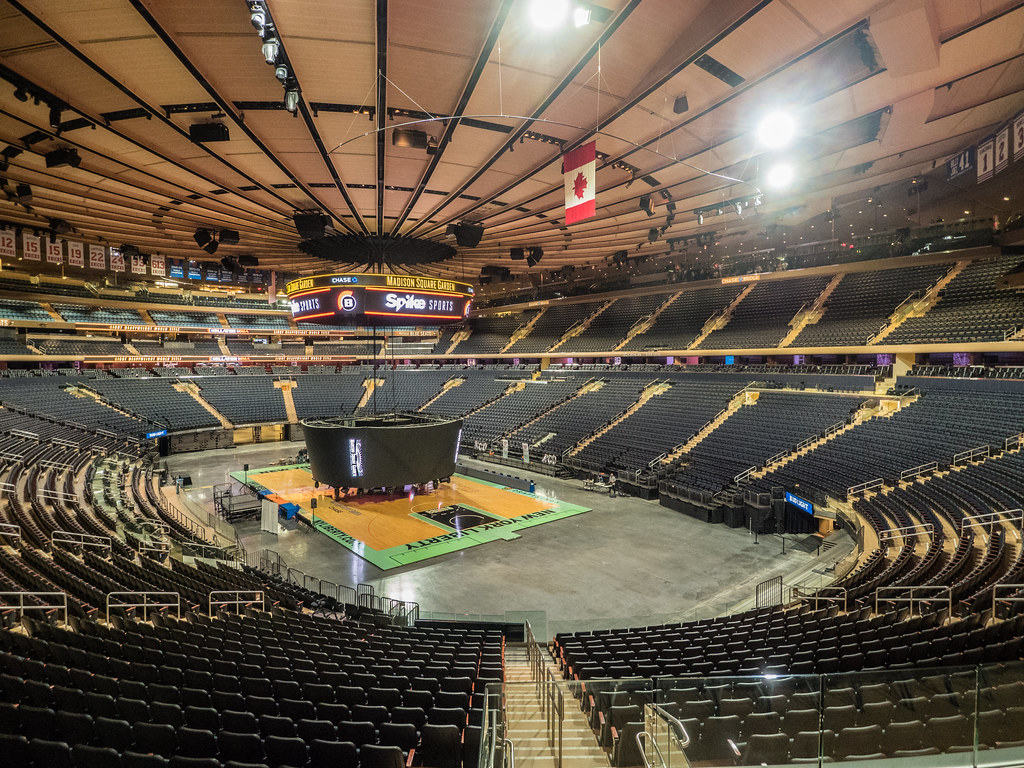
(381, 451)
(359, 299)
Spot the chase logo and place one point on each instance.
(346, 301)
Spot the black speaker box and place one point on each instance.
(206, 132)
(310, 226)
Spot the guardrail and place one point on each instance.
(10, 529)
(910, 474)
(680, 738)
(1010, 333)
(237, 598)
(796, 594)
(1009, 589)
(863, 487)
(79, 539)
(777, 457)
(988, 519)
(915, 595)
(1013, 442)
(21, 607)
(744, 475)
(972, 455)
(892, 534)
(146, 603)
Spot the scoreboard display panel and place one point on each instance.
(361, 299)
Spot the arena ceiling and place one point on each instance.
(883, 93)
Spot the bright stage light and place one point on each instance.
(780, 175)
(776, 130)
(548, 14)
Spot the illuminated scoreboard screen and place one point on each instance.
(357, 299)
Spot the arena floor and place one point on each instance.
(627, 562)
(392, 531)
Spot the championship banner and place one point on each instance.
(580, 168)
(1018, 138)
(7, 247)
(526, 453)
(193, 271)
(1002, 149)
(116, 261)
(76, 254)
(138, 265)
(55, 252)
(177, 269)
(156, 265)
(97, 257)
(30, 247)
(986, 159)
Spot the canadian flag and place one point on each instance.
(579, 166)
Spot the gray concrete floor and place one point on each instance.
(628, 562)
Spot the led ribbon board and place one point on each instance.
(359, 299)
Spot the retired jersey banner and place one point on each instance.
(156, 265)
(7, 247)
(1018, 138)
(97, 257)
(116, 261)
(76, 254)
(1002, 149)
(30, 247)
(960, 164)
(55, 252)
(138, 265)
(986, 155)
(580, 169)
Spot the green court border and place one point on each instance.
(448, 540)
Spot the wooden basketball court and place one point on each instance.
(390, 531)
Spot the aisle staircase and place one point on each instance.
(222, 344)
(523, 331)
(369, 385)
(146, 318)
(813, 314)
(921, 306)
(644, 324)
(450, 384)
(581, 326)
(52, 312)
(459, 336)
(286, 386)
(721, 319)
(526, 725)
(744, 397)
(192, 389)
(652, 390)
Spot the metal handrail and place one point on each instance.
(988, 518)
(235, 597)
(83, 539)
(10, 529)
(1008, 587)
(862, 487)
(936, 589)
(508, 753)
(972, 454)
(920, 469)
(21, 607)
(145, 605)
(904, 532)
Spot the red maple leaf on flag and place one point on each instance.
(579, 186)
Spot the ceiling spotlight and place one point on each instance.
(202, 237)
(581, 16)
(776, 130)
(700, 219)
(258, 17)
(21, 94)
(56, 112)
(548, 14)
(281, 73)
(780, 175)
(291, 100)
(739, 208)
(646, 205)
(271, 47)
